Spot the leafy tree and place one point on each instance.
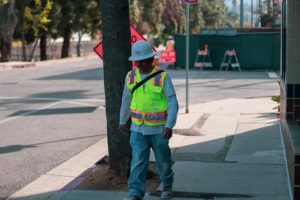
(34, 19)
(116, 50)
(87, 19)
(172, 18)
(67, 9)
(196, 19)
(233, 19)
(214, 13)
(75, 16)
(8, 21)
(36, 22)
(152, 15)
(134, 12)
(20, 29)
(269, 11)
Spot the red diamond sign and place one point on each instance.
(135, 36)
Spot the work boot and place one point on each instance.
(167, 193)
(132, 198)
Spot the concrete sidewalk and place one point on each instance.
(228, 149)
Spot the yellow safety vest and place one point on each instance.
(149, 102)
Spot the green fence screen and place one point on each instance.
(259, 51)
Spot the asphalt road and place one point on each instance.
(53, 111)
(205, 86)
(49, 113)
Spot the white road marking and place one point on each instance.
(59, 101)
(39, 99)
(80, 103)
(28, 113)
(272, 75)
(53, 99)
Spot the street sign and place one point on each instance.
(168, 57)
(135, 36)
(187, 1)
(99, 50)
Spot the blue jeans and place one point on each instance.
(141, 145)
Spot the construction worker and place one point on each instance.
(153, 109)
(170, 43)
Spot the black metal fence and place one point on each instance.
(53, 50)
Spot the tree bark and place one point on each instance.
(79, 44)
(33, 50)
(8, 22)
(24, 54)
(5, 51)
(116, 50)
(43, 46)
(66, 43)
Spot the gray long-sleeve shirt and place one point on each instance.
(151, 130)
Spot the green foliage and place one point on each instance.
(276, 98)
(173, 18)
(3, 2)
(37, 17)
(135, 12)
(266, 19)
(156, 14)
(67, 9)
(196, 18)
(87, 16)
(82, 16)
(151, 14)
(270, 9)
(214, 13)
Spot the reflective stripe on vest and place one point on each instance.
(132, 77)
(149, 117)
(157, 80)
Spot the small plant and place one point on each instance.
(276, 99)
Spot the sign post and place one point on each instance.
(187, 46)
(187, 62)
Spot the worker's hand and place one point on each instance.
(167, 133)
(124, 128)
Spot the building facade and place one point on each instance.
(290, 89)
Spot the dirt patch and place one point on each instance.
(101, 177)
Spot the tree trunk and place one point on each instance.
(66, 43)
(5, 51)
(79, 44)
(22, 19)
(33, 50)
(116, 50)
(23, 47)
(8, 22)
(43, 46)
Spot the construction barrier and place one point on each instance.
(230, 60)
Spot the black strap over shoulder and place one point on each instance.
(145, 79)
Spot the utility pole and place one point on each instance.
(187, 46)
(241, 13)
(251, 13)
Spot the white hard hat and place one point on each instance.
(170, 37)
(141, 50)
